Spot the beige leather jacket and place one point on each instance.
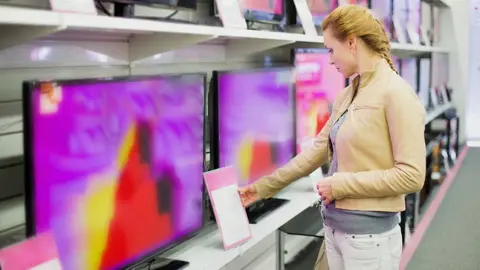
(380, 146)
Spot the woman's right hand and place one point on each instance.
(248, 194)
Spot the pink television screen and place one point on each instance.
(263, 10)
(317, 85)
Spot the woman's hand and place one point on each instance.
(324, 189)
(248, 195)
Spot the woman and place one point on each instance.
(374, 141)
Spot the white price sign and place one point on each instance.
(74, 6)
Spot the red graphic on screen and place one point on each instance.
(140, 221)
(263, 159)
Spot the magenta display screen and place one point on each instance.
(263, 10)
(320, 9)
(117, 166)
(256, 126)
(317, 85)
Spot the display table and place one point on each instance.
(205, 251)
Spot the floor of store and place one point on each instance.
(451, 240)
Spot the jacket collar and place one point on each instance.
(366, 77)
(361, 81)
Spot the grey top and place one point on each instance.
(349, 221)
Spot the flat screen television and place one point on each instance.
(424, 81)
(410, 72)
(114, 166)
(123, 8)
(317, 84)
(263, 11)
(363, 3)
(400, 11)
(254, 119)
(319, 9)
(383, 10)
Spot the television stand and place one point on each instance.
(261, 209)
(166, 264)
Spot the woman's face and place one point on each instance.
(341, 53)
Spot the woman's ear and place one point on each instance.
(352, 43)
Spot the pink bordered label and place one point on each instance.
(230, 214)
(36, 253)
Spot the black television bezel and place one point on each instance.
(292, 15)
(214, 107)
(153, 3)
(257, 16)
(29, 87)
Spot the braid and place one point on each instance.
(388, 58)
(385, 50)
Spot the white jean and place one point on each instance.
(363, 252)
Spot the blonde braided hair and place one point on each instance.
(349, 20)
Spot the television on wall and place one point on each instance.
(173, 4)
(424, 82)
(114, 167)
(318, 8)
(317, 84)
(263, 11)
(383, 10)
(363, 3)
(410, 72)
(254, 118)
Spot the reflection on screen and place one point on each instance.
(382, 10)
(117, 167)
(409, 71)
(267, 6)
(363, 3)
(317, 85)
(320, 9)
(256, 121)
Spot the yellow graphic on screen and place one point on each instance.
(99, 208)
(244, 158)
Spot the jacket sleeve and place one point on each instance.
(300, 166)
(406, 123)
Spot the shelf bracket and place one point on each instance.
(237, 48)
(13, 35)
(144, 46)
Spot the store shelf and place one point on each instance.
(148, 37)
(432, 115)
(206, 251)
(19, 25)
(307, 223)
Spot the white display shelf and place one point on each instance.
(432, 115)
(206, 252)
(147, 37)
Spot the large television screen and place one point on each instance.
(256, 121)
(317, 85)
(114, 166)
